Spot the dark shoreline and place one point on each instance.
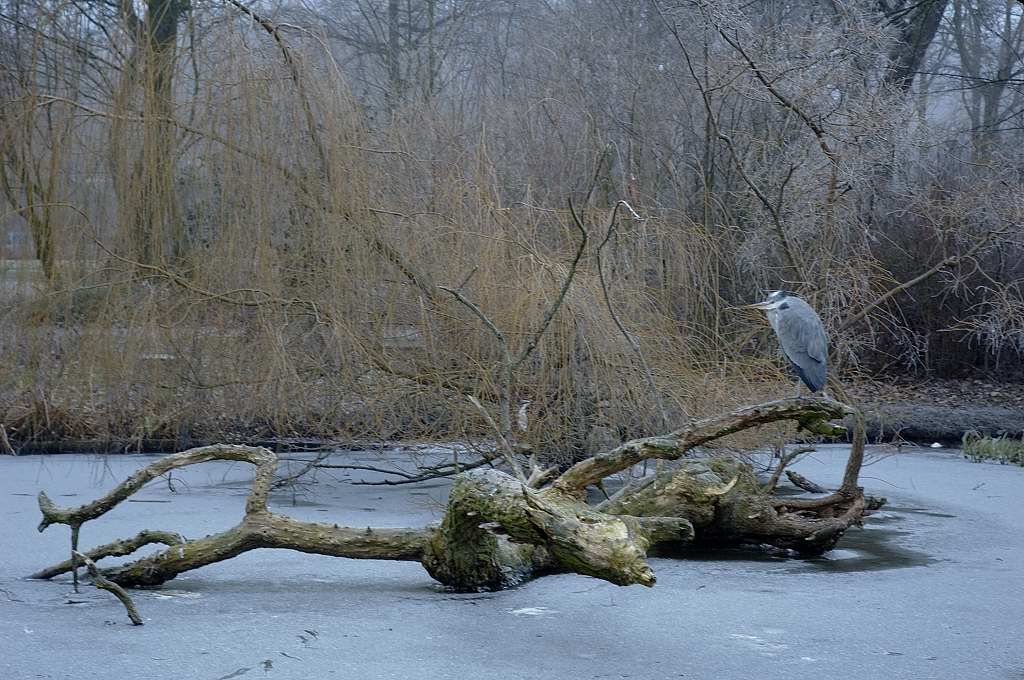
(928, 423)
(913, 422)
(150, 446)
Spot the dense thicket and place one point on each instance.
(225, 217)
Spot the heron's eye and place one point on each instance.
(784, 305)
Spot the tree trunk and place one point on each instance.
(146, 190)
(393, 58)
(727, 505)
(917, 28)
(31, 192)
(159, 229)
(498, 532)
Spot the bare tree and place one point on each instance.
(989, 37)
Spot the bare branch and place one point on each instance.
(809, 413)
(503, 443)
(815, 128)
(785, 460)
(479, 313)
(102, 583)
(262, 458)
(117, 548)
(560, 298)
(630, 338)
(803, 483)
(920, 278)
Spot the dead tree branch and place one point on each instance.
(802, 482)
(848, 489)
(504, 429)
(503, 443)
(117, 548)
(422, 474)
(920, 278)
(101, 582)
(510, 363)
(812, 415)
(784, 461)
(556, 304)
(263, 459)
(259, 528)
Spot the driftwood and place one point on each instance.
(498, 531)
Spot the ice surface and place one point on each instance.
(932, 587)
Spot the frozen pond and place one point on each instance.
(932, 587)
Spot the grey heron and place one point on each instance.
(801, 335)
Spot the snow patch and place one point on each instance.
(532, 611)
(759, 644)
(844, 554)
(175, 594)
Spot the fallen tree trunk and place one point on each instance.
(498, 531)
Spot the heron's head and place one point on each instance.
(774, 300)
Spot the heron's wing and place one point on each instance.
(802, 334)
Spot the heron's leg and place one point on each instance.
(795, 370)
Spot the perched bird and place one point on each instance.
(801, 335)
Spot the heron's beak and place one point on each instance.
(757, 305)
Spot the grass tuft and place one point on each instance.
(978, 448)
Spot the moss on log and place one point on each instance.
(743, 514)
(498, 531)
